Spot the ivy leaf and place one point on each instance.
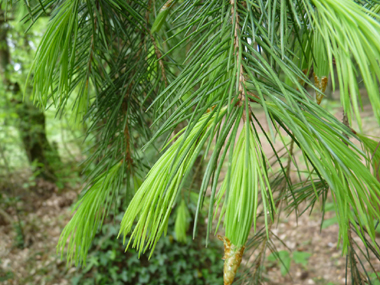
(329, 222)
(301, 257)
(283, 258)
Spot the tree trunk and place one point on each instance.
(31, 124)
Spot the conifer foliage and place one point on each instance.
(136, 71)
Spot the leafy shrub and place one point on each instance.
(171, 263)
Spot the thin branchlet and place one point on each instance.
(239, 69)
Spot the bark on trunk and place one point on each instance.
(31, 124)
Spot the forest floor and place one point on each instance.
(28, 253)
(45, 210)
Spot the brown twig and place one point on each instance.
(160, 61)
